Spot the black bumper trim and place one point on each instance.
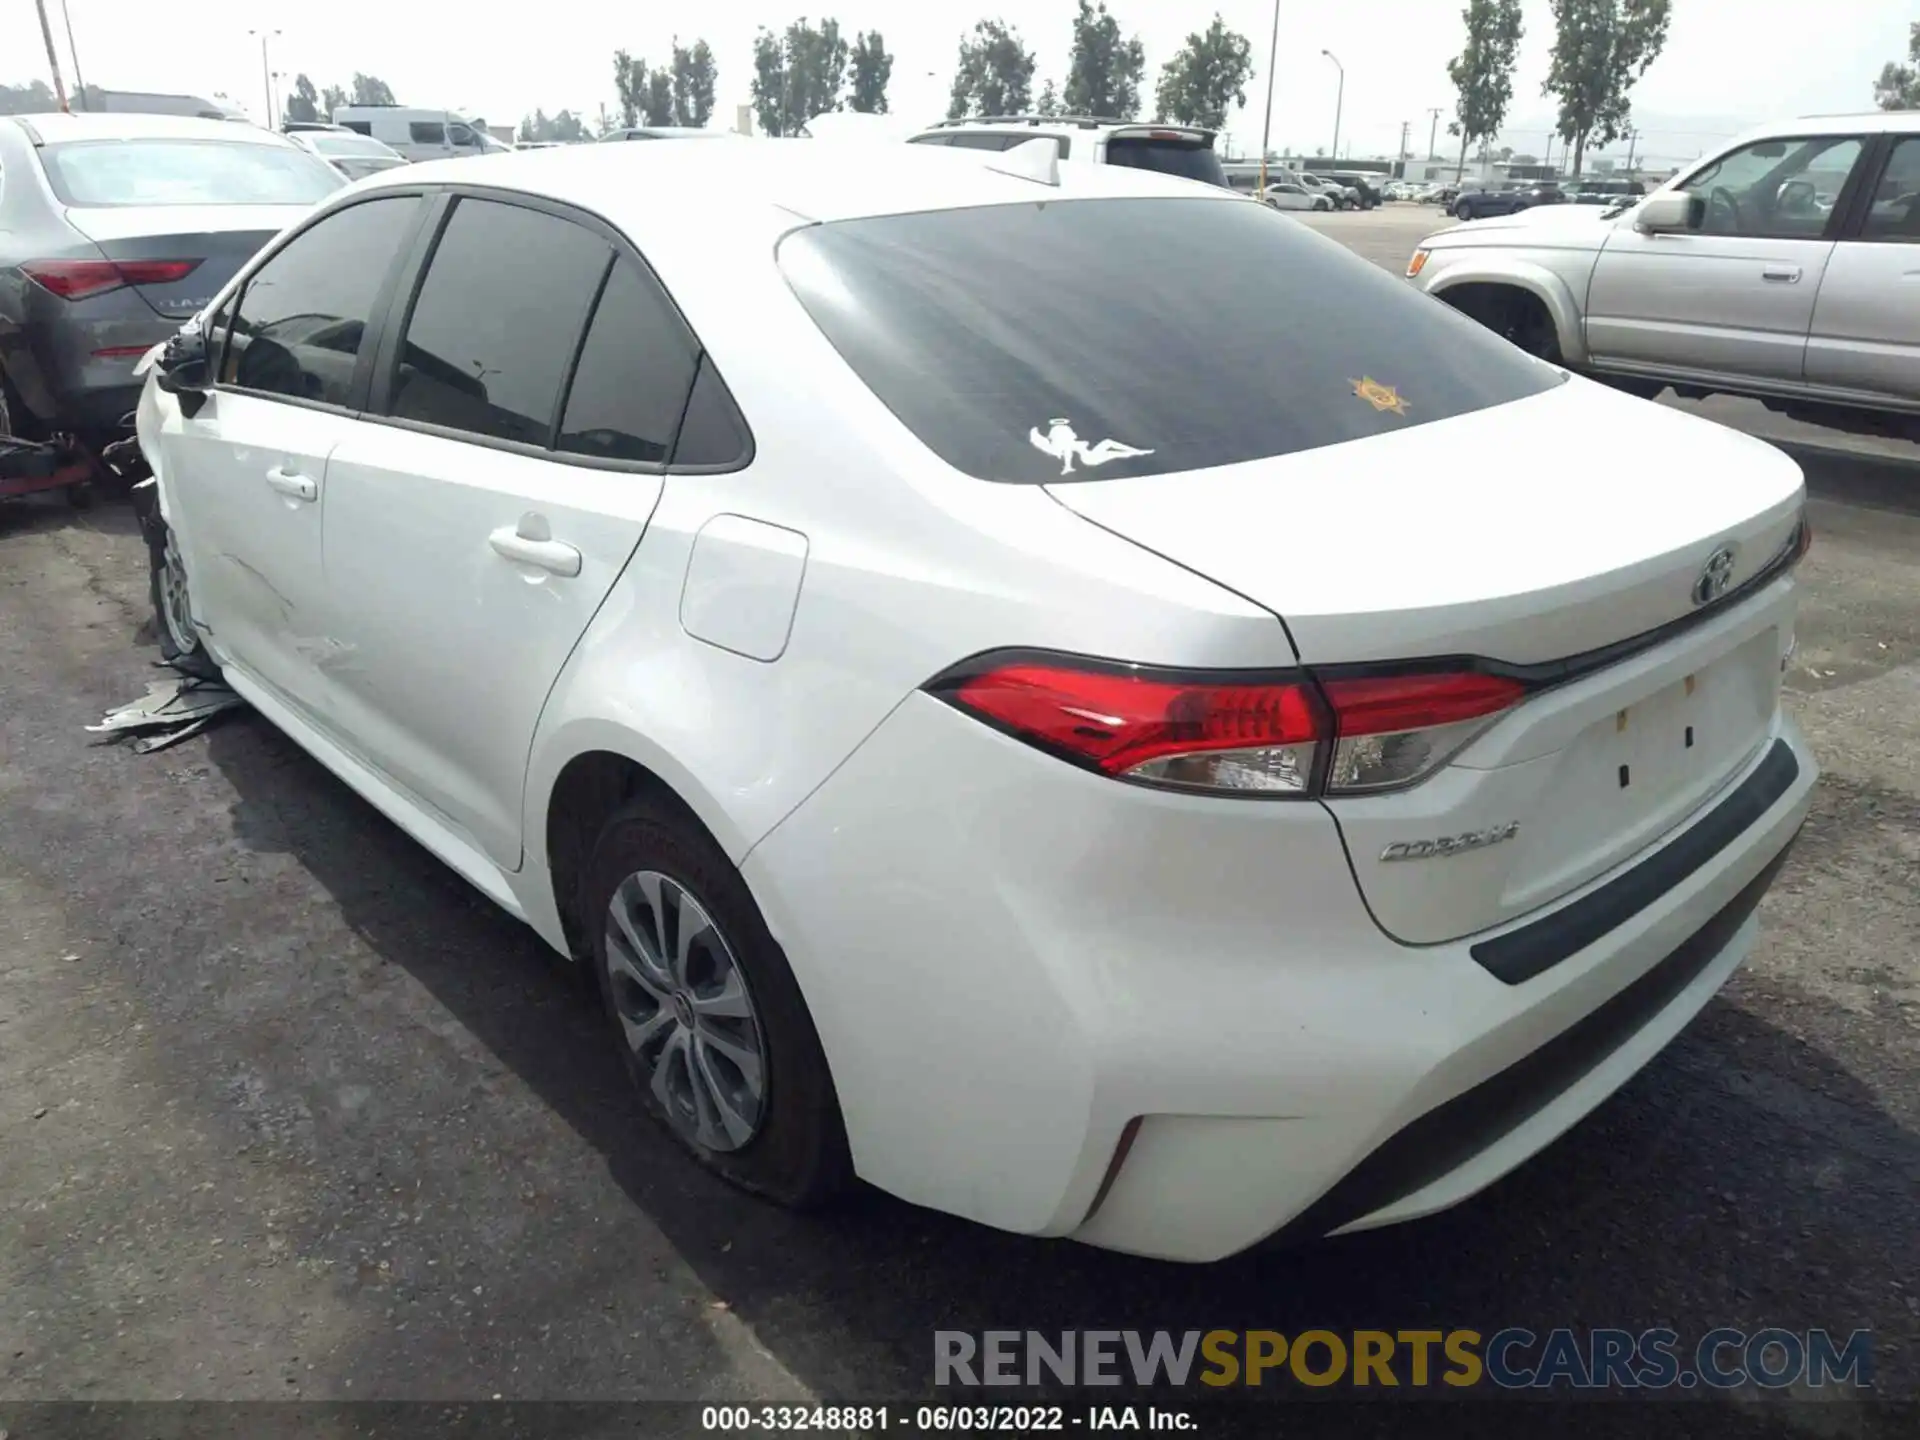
(1452, 1133)
(1533, 949)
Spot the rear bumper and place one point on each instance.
(73, 367)
(1014, 966)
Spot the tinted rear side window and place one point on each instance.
(1200, 332)
(634, 373)
(1189, 159)
(497, 321)
(427, 132)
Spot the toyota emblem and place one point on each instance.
(1715, 578)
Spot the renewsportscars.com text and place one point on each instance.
(1512, 1358)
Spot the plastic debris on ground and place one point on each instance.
(171, 711)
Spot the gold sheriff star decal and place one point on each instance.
(1381, 397)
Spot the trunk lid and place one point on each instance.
(1485, 536)
(221, 238)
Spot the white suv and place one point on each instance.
(1042, 706)
(1183, 150)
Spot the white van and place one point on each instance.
(418, 134)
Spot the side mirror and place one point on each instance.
(184, 370)
(1670, 212)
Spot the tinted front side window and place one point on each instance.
(634, 373)
(303, 316)
(1201, 332)
(496, 322)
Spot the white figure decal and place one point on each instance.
(1061, 441)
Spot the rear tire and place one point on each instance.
(708, 1016)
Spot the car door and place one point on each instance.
(1866, 322)
(1736, 296)
(246, 474)
(523, 410)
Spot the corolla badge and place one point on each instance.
(1451, 844)
(1062, 442)
(1715, 578)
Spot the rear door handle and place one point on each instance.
(1782, 274)
(293, 484)
(532, 543)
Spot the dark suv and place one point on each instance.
(1478, 204)
(1370, 196)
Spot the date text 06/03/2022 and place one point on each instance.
(924, 1419)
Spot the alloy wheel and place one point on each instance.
(176, 611)
(686, 1012)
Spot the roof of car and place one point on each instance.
(802, 179)
(59, 129)
(1868, 122)
(1062, 124)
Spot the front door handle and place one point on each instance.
(293, 484)
(1781, 274)
(531, 542)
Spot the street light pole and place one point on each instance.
(1266, 123)
(266, 72)
(1433, 130)
(1339, 99)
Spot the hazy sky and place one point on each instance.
(1727, 62)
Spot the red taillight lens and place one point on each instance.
(79, 279)
(1391, 730)
(1227, 734)
(155, 272)
(1232, 735)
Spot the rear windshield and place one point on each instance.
(1189, 159)
(1090, 338)
(333, 144)
(185, 172)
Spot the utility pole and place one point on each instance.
(79, 81)
(1433, 130)
(1546, 161)
(1339, 101)
(1633, 140)
(53, 56)
(1266, 122)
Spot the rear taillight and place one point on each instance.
(1391, 730)
(79, 279)
(1279, 735)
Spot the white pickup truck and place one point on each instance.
(1785, 267)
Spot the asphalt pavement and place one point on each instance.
(287, 1111)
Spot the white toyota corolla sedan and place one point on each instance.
(1031, 684)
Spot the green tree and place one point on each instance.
(1482, 73)
(1600, 49)
(870, 69)
(33, 98)
(1206, 77)
(331, 99)
(304, 102)
(371, 90)
(629, 81)
(1898, 87)
(798, 75)
(1103, 75)
(1049, 101)
(995, 73)
(656, 103)
(534, 126)
(693, 80)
